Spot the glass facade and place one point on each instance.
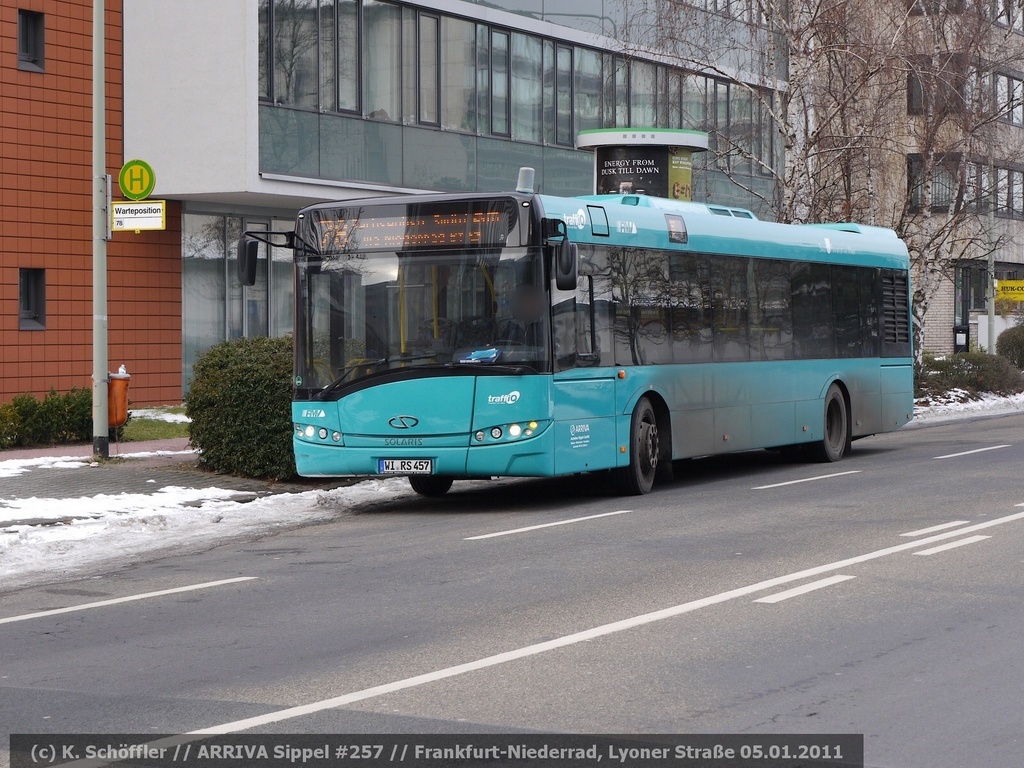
(215, 306)
(382, 92)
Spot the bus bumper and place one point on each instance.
(523, 458)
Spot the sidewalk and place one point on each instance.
(172, 445)
(135, 467)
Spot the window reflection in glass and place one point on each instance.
(371, 313)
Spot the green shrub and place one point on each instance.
(10, 425)
(239, 402)
(1010, 345)
(973, 372)
(30, 427)
(48, 425)
(55, 420)
(78, 415)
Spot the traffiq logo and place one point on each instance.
(506, 399)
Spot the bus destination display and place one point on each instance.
(476, 224)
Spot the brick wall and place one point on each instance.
(46, 220)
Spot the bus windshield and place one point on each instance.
(364, 313)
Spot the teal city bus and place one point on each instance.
(445, 337)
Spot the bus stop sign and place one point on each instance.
(137, 179)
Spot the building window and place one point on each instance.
(527, 88)
(31, 38)
(31, 299)
(563, 96)
(938, 84)
(459, 97)
(500, 71)
(382, 60)
(1009, 95)
(1008, 14)
(429, 73)
(944, 189)
(934, 7)
(587, 89)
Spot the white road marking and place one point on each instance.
(976, 450)
(934, 528)
(952, 545)
(803, 590)
(805, 480)
(580, 637)
(545, 525)
(129, 599)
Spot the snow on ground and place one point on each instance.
(159, 414)
(958, 404)
(45, 539)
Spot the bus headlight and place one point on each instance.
(515, 430)
(309, 431)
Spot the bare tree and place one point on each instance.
(885, 111)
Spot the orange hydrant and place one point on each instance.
(117, 397)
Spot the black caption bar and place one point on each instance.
(439, 751)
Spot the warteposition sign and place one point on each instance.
(137, 181)
(149, 214)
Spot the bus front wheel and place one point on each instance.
(837, 437)
(430, 485)
(644, 451)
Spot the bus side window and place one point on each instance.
(574, 329)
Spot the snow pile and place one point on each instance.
(45, 539)
(958, 404)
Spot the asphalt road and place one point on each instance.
(880, 595)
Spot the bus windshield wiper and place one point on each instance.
(345, 374)
(368, 364)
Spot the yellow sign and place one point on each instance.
(151, 214)
(680, 173)
(137, 179)
(1010, 289)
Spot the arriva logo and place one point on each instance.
(314, 413)
(576, 220)
(579, 429)
(508, 399)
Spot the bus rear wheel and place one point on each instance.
(644, 451)
(837, 437)
(430, 485)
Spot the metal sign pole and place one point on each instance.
(100, 427)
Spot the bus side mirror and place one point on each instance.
(248, 254)
(565, 265)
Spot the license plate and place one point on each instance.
(405, 466)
